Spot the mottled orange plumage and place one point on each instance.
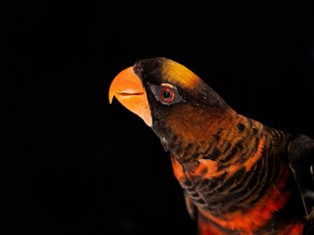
(234, 170)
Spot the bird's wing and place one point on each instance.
(301, 162)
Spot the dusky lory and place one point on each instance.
(238, 175)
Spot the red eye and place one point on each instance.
(166, 94)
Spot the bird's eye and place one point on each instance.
(167, 94)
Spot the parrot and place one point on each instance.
(238, 175)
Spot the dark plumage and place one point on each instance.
(238, 175)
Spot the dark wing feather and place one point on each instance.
(301, 162)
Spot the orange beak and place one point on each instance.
(129, 91)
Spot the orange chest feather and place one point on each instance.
(242, 220)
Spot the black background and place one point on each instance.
(79, 165)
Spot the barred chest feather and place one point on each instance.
(230, 179)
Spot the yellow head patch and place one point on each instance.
(176, 73)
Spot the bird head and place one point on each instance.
(168, 96)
